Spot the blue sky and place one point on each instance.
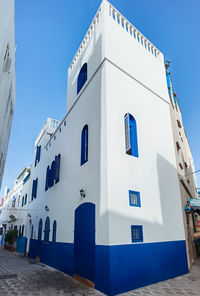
(49, 32)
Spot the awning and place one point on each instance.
(195, 203)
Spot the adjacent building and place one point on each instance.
(104, 201)
(185, 169)
(7, 76)
(14, 207)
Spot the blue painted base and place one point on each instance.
(126, 267)
(57, 255)
(121, 268)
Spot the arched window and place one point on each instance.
(22, 230)
(46, 229)
(54, 231)
(40, 229)
(82, 77)
(84, 145)
(131, 135)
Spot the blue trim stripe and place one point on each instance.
(120, 268)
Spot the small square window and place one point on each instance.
(65, 122)
(136, 233)
(134, 199)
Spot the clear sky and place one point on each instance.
(49, 32)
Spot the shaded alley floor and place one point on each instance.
(23, 277)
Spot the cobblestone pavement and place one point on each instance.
(23, 277)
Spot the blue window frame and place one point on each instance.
(134, 198)
(82, 78)
(54, 231)
(136, 233)
(84, 145)
(131, 135)
(34, 189)
(57, 168)
(37, 156)
(46, 229)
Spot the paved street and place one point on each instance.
(23, 277)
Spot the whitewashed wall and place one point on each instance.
(123, 77)
(7, 78)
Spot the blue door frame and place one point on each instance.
(84, 241)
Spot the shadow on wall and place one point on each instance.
(121, 268)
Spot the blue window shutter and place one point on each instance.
(82, 78)
(37, 156)
(57, 168)
(51, 174)
(84, 145)
(33, 190)
(39, 152)
(134, 142)
(47, 179)
(36, 184)
(131, 135)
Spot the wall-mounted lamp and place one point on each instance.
(47, 208)
(82, 192)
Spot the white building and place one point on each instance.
(7, 76)
(102, 208)
(14, 207)
(105, 204)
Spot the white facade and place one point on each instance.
(14, 206)
(125, 75)
(7, 76)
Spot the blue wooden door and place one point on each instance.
(84, 241)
